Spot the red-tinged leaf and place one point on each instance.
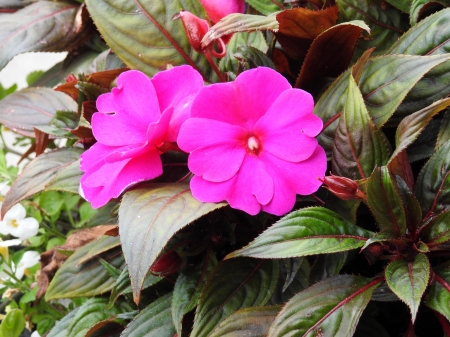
(439, 294)
(41, 141)
(359, 146)
(266, 7)
(234, 285)
(420, 8)
(101, 245)
(328, 308)
(42, 26)
(358, 67)
(408, 280)
(32, 107)
(401, 166)
(413, 211)
(385, 201)
(300, 26)
(330, 53)
(148, 218)
(248, 322)
(309, 231)
(108, 328)
(37, 174)
(433, 182)
(386, 235)
(67, 179)
(437, 231)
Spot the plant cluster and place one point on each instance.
(267, 168)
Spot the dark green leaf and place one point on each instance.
(248, 322)
(421, 7)
(154, 321)
(67, 179)
(41, 26)
(12, 324)
(389, 235)
(444, 130)
(328, 308)
(234, 285)
(87, 279)
(149, 217)
(358, 146)
(385, 201)
(386, 24)
(327, 265)
(234, 23)
(266, 7)
(144, 36)
(309, 231)
(187, 289)
(439, 294)
(61, 328)
(102, 245)
(106, 60)
(32, 107)
(408, 280)
(437, 231)
(433, 183)
(292, 267)
(37, 174)
(253, 57)
(413, 212)
(403, 5)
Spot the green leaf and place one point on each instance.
(153, 321)
(32, 107)
(385, 201)
(66, 180)
(439, 293)
(437, 231)
(87, 279)
(420, 7)
(327, 265)
(34, 76)
(149, 217)
(389, 235)
(253, 57)
(13, 324)
(386, 23)
(234, 285)
(309, 231)
(411, 126)
(413, 212)
(444, 130)
(358, 146)
(329, 308)
(248, 322)
(403, 5)
(266, 7)
(430, 36)
(41, 26)
(187, 289)
(144, 36)
(7, 91)
(61, 327)
(51, 202)
(89, 314)
(235, 23)
(433, 183)
(38, 173)
(408, 280)
(99, 246)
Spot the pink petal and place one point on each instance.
(176, 88)
(243, 101)
(286, 130)
(217, 9)
(201, 132)
(157, 131)
(134, 96)
(94, 158)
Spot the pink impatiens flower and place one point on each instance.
(251, 143)
(136, 122)
(217, 9)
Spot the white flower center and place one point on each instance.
(13, 223)
(253, 145)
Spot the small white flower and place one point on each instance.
(3, 275)
(4, 247)
(15, 223)
(29, 259)
(35, 334)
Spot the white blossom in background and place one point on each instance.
(15, 223)
(29, 259)
(3, 274)
(4, 247)
(35, 334)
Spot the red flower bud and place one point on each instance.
(71, 78)
(167, 264)
(343, 188)
(195, 29)
(217, 9)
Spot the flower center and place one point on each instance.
(14, 223)
(253, 145)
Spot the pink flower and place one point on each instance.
(217, 9)
(136, 122)
(251, 143)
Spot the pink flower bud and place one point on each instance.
(167, 264)
(195, 29)
(343, 188)
(217, 9)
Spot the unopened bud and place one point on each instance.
(194, 27)
(217, 9)
(342, 187)
(71, 78)
(167, 264)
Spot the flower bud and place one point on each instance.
(167, 264)
(194, 27)
(217, 9)
(343, 188)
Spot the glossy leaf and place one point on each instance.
(419, 8)
(386, 23)
(102, 245)
(439, 294)
(61, 327)
(385, 201)
(413, 212)
(408, 280)
(437, 231)
(253, 57)
(143, 34)
(387, 235)
(412, 125)
(149, 217)
(87, 279)
(32, 107)
(327, 265)
(331, 307)
(266, 7)
(187, 289)
(309, 231)
(12, 323)
(235, 23)
(325, 57)
(433, 183)
(444, 130)
(153, 321)
(37, 174)
(358, 146)
(234, 285)
(41, 26)
(248, 322)
(403, 5)
(66, 180)
(300, 26)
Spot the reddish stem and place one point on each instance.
(444, 323)
(442, 282)
(331, 120)
(214, 66)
